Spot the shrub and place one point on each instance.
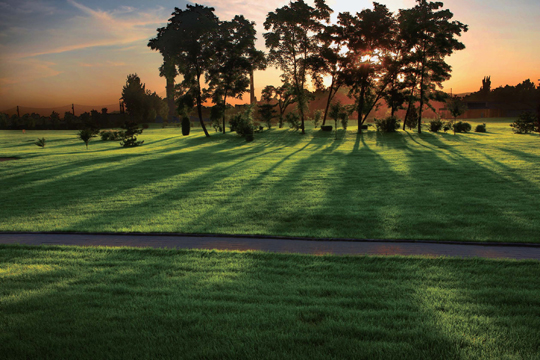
(326, 128)
(186, 126)
(111, 135)
(85, 135)
(435, 125)
(462, 127)
(40, 142)
(389, 124)
(480, 128)
(364, 126)
(129, 139)
(447, 126)
(242, 123)
(344, 120)
(146, 126)
(317, 118)
(293, 119)
(524, 124)
(411, 121)
(216, 124)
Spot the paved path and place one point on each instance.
(278, 245)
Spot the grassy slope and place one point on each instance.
(483, 187)
(65, 302)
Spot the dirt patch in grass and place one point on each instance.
(8, 158)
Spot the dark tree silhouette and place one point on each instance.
(368, 37)
(233, 61)
(292, 40)
(432, 37)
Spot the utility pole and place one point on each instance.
(73, 109)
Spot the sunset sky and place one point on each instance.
(58, 52)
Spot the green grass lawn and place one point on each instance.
(93, 303)
(481, 187)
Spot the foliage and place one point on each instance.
(525, 123)
(387, 125)
(85, 135)
(480, 128)
(40, 142)
(267, 113)
(186, 126)
(411, 118)
(435, 125)
(431, 36)
(326, 127)
(111, 135)
(344, 117)
(242, 123)
(293, 119)
(292, 40)
(317, 117)
(457, 106)
(141, 104)
(217, 113)
(131, 129)
(462, 127)
(448, 126)
(283, 95)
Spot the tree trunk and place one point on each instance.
(170, 98)
(252, 99)
(224, 108)
(328, 102)
(199, 106)
(421, 99)
(361, 108)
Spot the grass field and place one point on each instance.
(481, 187)
(88, 303)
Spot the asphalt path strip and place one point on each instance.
(279, 245)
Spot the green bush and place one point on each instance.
(293, 119)
(186, 125)
(242, 124)
(40, 142)
(111, 135)
(462, 127)
(447, 126)
(85, 135)
(525, 123)
(389, 124)
(412, 118)
(435, 125)
(129, 139)
(480, 128)
(344, 120)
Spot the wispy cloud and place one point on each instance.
(105, 64)
(28, 70)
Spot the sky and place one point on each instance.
(58, 52)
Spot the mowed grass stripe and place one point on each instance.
(64, 302)
(471, 187)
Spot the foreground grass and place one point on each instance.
(67, 302)
(483, 187)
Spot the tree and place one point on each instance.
(432, 37)
(267, 113)
(134, 98)
(233, 61)
(368, 38)
(164, 44)
(328, 62)
(457, 107)
(85, 135)
(131, 129)
(293, 39)
(190, 34)
(283, 95)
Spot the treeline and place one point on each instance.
(525, 93)
(90, 120)
(375, 54)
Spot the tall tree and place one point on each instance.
(190, 34)
(432, 37)
(164, 44)
(368, 39)
(292, 38)
(328, 62)
(233, 61)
